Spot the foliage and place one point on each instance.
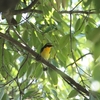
(72, 26)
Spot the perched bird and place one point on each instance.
(45, 52)
(7, 7)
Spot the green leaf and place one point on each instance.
(1, 93)
(5, 97)
(91, 20)
(64, 41)
(94, 35)
(7, 56)
(58, 2)
(47, 10)
(87, 30)
(96, 4)
(18, 18)
(62, 57)
(79, 26)
(25, 36)
(28, 94)
(52, 76)
(57, 16)
(96, 50)
(54, 92)
(74, 43)
(47, 89)
(96, 72)
(23, 69)
(24, 84)
(49, 29)
(54, 62)
(72, 94)
(38, 71)
(64, 3)
(3, 73)
(87, 3)
(35, 39)
(31, 70)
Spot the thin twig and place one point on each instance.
(79, 11)
(71, 48)
(62, 12)
(77, 4)
(28, 85)
(71, 44)
(78, 59)
(3, 85)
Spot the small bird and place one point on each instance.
(45, 52)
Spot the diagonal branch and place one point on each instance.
(69, 80)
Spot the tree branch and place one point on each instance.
(79, 11)
(62, 12)
(69, 80)
(79, 59)
(27, 9)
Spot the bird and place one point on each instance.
(45, 53)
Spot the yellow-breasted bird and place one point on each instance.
(45, 52)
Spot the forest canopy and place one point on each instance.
(72, 28)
